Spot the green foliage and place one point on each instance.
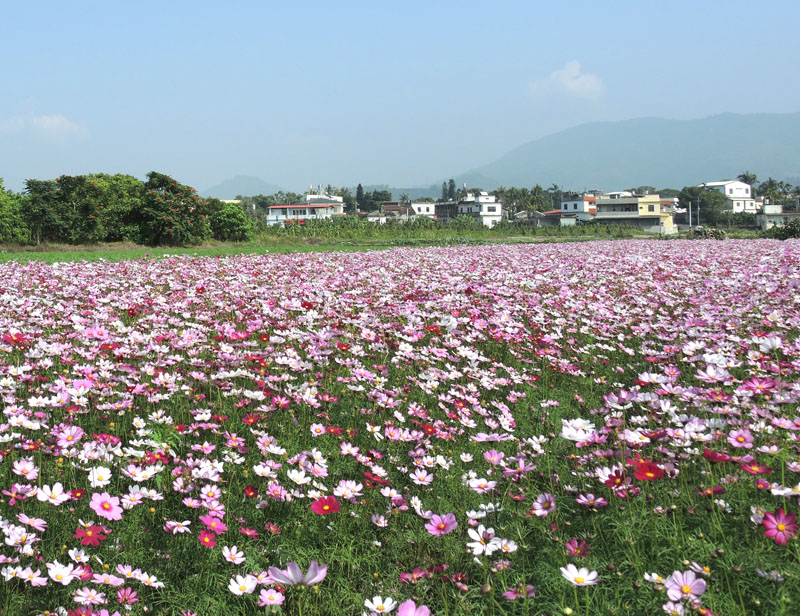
(42, 212)
(120, 198)
(13, 229)
(790, 230)
(231, 224)
(711, 203)
(171, 214)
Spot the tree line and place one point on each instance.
(88, 209)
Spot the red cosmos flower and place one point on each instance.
(646, 470)
(250, 419)
(371, 477)
(615, 480)
(715, 456)
(250, 491)
(306, 305)
(333, 430)
(325, 505)
(207, 538)
(92, 535)
(77, 494)
(712, 491)
(755, 469)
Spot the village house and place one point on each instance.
(314, 206)
(738, 195)
(627, 208)
(773, 215)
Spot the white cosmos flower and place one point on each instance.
(380, 605)
(99, 477)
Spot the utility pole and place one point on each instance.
(690, 213)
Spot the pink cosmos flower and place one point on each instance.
(522, 591)
(106, 506)
(270, 597)
(684, 585)
(544, 505)
(741, 438)
(577, 548)
(293, 575)
(441, 524)
(780, 526)
(213, 524)
(409, 608)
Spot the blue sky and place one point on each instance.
(379, 93)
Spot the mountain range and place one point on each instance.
(244, 185)
(617, 155)
(651, 152)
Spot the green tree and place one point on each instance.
(711, 204)
(231, 224)
(42, 212)
(120, 197)
(444, 191)
(171, 213)
(360, 200)
(13, 229)
(749, 178)
(554, 193)
(538, 199)
(451, 190)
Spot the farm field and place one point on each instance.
(573, 428)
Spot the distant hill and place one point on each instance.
(652, 152)
(244, 185)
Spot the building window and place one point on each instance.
(574, 206)
(730, 191)
(566, 205)
(491, 208)
(651, 208)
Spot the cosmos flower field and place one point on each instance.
(584, 428)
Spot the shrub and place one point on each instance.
(231, 224)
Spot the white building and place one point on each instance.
(482, 205)
(314, 206)
(422, 208)
(738, 195)
(582, 205)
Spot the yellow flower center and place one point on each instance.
(579, 580)
(686, 590)
(781, 527)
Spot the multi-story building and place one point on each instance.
(313, 206)
(580, 204)
(738, 195)
(626, 208)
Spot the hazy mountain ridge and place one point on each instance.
(244, 185)
(653, 151)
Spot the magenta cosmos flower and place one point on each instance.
(325, 505)
(780, 526)
(293, 575)
(684, 585)
(106, 506)
(441, 524)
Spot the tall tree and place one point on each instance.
(171, 213)
(13, 229)
(748, 178)
(444, 191)
(360, 197)
(451, 190)
(707, 205)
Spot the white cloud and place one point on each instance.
(571, 81)
(12, 125)
(56, 127)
